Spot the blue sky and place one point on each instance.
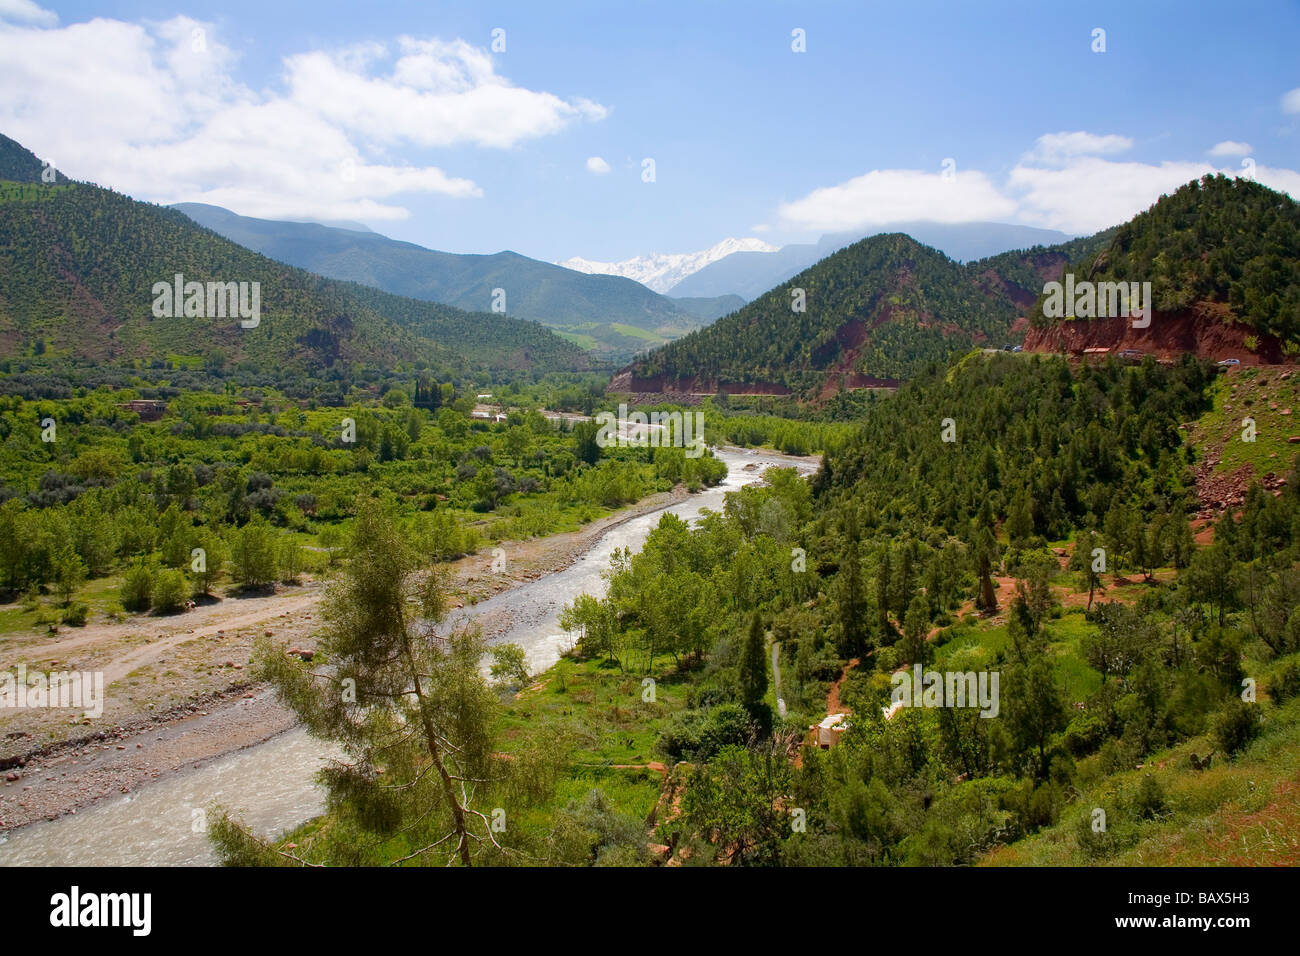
(401, 115)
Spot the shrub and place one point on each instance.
(1235, 726)
(699, 735)
(169, 591)
(1085, 734)
(1149, 801)
(1285, 682)
(75, 614)
(137, 587)
(509, 664)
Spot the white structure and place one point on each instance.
(829, 730)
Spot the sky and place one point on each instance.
(479, 126)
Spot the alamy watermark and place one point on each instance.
(36, 690)
(212, 300)
(1098, 300)
(655, 430)
(922, 688)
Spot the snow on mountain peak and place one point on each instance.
(661, 272)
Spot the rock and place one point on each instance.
(1293, 440)
(13, 777)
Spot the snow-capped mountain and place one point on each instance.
(663, 271)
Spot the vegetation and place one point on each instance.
(886, 303)
(1222, 240)
(234, 485)
(79, 265)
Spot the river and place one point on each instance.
(271, 785)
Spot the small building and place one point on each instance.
(149, 410)
(827, 733)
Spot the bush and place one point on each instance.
(1085, 734)
(509, 664)
(75, 614)
(699, 735)
(137, 587)
(253, 555)
(727, 724)
(1235, 726)
(1149, 801)
(170, 591)
(1285, 682)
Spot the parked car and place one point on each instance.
(1230, 362)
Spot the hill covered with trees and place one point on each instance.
(78, 267)
(588, 306)
(1230, 242)
(880, 309)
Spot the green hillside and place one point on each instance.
(883, 307)
(1229, 241)
(78, 265)
(557, 297)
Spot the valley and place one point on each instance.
(352, 532)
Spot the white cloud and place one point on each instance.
(1060, 184)
(1061, 147)
(896, 195)
(144, 108)
(760, 227)
(1285, 180)
(25, 11)
(1230, 147)
(597, 165)
(1093, 193)
(1291, 101)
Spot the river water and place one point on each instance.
(271, 785)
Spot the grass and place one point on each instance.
(1251, 392)
(633, 332)
(1240, 812)
(600, 716)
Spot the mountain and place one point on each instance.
(78, 270)
(607, 313)
(749, 274)
(875, 312)
(710, 308)
(661, 272)
(1222, 257)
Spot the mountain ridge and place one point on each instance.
(662, 271)
(79, 263)
(588, 307)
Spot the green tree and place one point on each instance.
(916, 630)
(137, 587)
(253, 555)
(752, 668)
(407, 705)
(68, 571)
(170, 590)
(509, 664)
